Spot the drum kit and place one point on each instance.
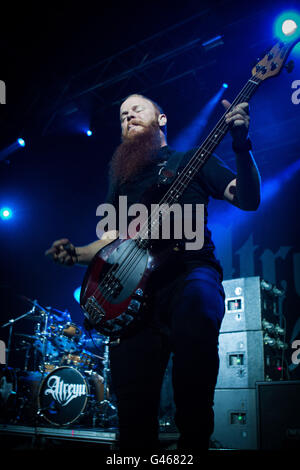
(62, 379)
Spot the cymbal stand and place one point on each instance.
(27, 354)
(108, 410)
(10, 324)
(44, 335)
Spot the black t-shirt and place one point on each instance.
(210, 181)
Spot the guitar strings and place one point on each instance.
(189, 170)
(135, 250)
(243, 94)
(132, 252)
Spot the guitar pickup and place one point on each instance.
(115, 286)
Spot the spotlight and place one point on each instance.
(214, 42)
(289, 27)
(5, 213)
(89, 132)
(76, 294)
(225, 85)
(21, 142)
(286, 26)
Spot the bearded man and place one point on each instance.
(187, 304)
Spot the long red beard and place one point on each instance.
(135, 153)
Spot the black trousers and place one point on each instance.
(189, 329)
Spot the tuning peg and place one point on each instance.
(290, 66)
(255, 62)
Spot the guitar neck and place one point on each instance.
(199, 158)
(203, 153)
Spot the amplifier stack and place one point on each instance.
(252, 355)
(252, 335)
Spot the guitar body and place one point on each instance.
(117, 285)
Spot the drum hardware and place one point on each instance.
(107, 410)
(27, 356)
(28, 387)
(58, 346)
(8, 394)
(12, 321)
(6, 388)
(27, 345)
(63, 315)
(23, 335)
(93, 343)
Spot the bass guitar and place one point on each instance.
(115, 287)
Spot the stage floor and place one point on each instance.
(20, 436)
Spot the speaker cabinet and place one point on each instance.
(266, 417)
(235, 419)
(278, 411)
(241, 359)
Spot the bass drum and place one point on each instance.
(66, 395)
(63, 396)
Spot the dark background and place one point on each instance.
(53, 55)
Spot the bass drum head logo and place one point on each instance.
(63, 396)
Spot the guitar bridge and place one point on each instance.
(94, 310)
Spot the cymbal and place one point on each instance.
(34, 317)
(63, 313)
(23, 335)
(41, 311)
(34, 303)
(58, 318)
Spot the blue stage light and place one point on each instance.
(5, 213)
(21, 142)
(225, 85)
(76, 294)
(189, 137)
(89, 132)
(287, 26)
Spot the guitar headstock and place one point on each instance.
(273, 62)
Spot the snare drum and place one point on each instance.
(50, 366)
(70, 360)
(83, 359)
